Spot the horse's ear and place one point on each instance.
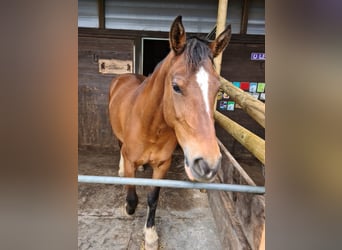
(221, 41)
(177, 36)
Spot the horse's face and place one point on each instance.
(189, 95)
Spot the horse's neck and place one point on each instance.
(155, 86)
(152, 96)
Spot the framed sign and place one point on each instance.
(115, 66)
(257, 56)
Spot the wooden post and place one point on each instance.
(252, 106)
(250, 141)
(220, 26)
(101, 10)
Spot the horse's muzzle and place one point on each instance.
(199, 169)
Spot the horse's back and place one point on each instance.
(121, 96)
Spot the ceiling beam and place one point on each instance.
(244, 17)
(101, 9)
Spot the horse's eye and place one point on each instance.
(176, 88)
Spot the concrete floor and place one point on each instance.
(183, 219)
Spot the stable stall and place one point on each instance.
(118, 37)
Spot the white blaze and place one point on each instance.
(202, 78)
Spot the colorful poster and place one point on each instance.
(262, 96)
(231, 106)
(261, 87)
(253, 87)
(223, 105)
(236, 84)
(255, 95)
(244, 86)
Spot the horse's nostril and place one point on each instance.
(201, 167)
(203, 171)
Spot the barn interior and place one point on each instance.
(134, 35)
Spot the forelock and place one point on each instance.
(196, 52)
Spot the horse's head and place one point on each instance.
(190, 89)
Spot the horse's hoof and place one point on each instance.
(128, 210)
(151, 239)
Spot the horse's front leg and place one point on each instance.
(131, 197)
(151, 236)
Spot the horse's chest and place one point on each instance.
(160, 151)
(157, 152)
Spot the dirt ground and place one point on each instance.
(183, 219)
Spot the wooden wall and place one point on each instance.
(237, 66)
(93, 125)
(236, 63)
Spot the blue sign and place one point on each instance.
(257, 56)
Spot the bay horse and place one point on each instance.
(174, 105)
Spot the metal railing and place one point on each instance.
(170, 183)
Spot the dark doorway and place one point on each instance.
(154, 50)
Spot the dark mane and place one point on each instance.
(197, 51)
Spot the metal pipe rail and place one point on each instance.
(170, 183)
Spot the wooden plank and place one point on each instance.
(230, 231)
(239, 217)
(262, 241)
(131, 34)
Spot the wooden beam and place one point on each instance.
(230, 158)
(250, 141)
(101, 9)
(220, 26)
(252, 106)
(244, 17)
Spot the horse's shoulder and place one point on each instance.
(126, 81)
